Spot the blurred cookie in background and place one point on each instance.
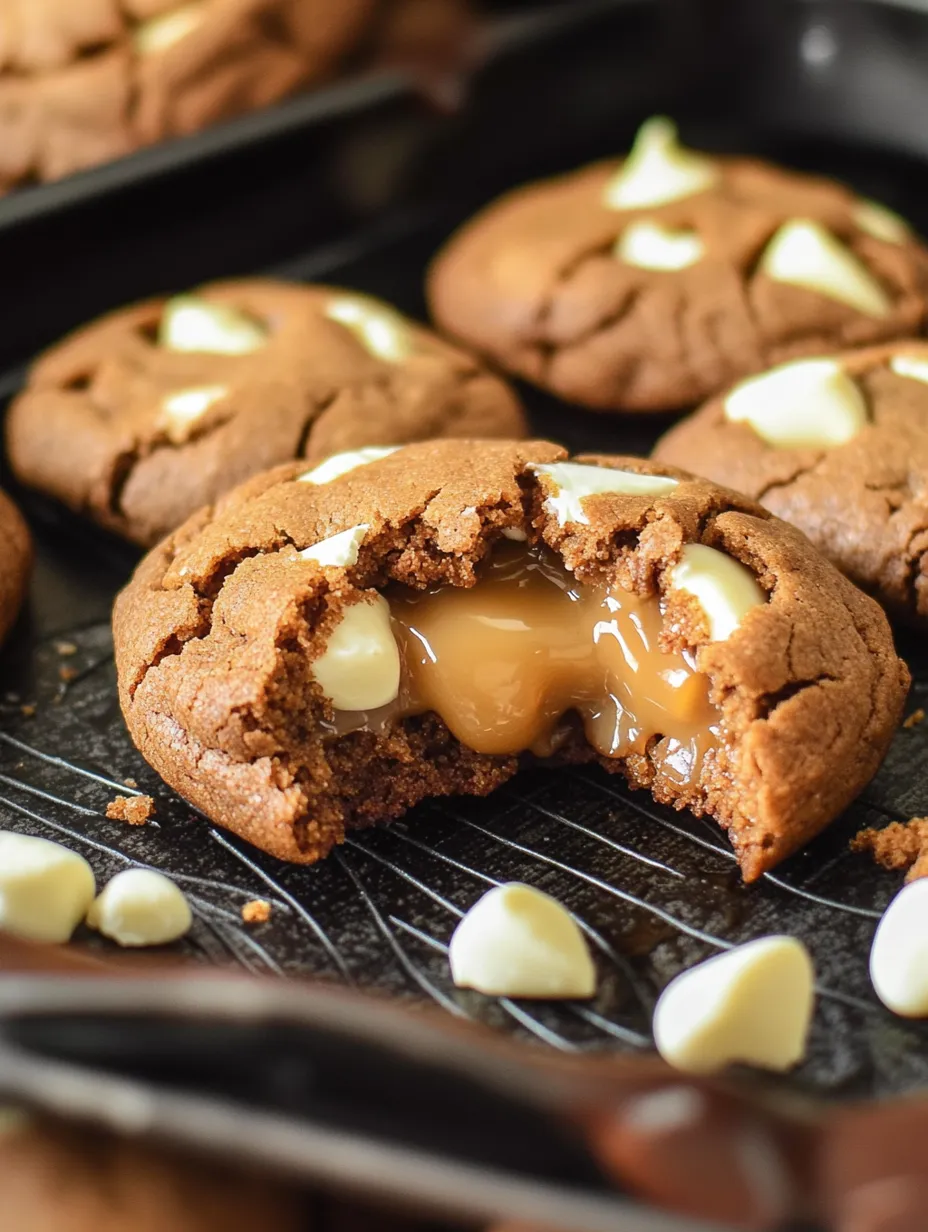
(15, 563)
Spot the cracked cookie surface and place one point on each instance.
(863, 502)
(217, 634)
(653, 307)
(86, 81)
(15, 563)
(138, 435)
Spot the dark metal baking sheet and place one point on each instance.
(654, 890)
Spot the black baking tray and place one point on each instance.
(654, 890)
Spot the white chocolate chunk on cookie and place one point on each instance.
(518, 942)
(189, 323)
(181, 411)
(725, 589)
(752, 1005)
(340, 549)
(915, 367)
(341, 463)
(45, 889)
(899, 956)
(140, 907)
(881, 222)
(804, 404)
(380, 329)
(360, 666)
(806, 254)
(650, 246)
(570, 483)
(161, 32)
(658, 169)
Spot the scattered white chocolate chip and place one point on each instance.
(515, 533)
(881, 222)
(650, 246)
(899, 957)
(518, 942)
(161, 32)
(360, 666)
(725, 589)
(805, 254)
(140, 907)
(805, 404)
(380, 329)
(45, 889)
(189, 323)
(658, 169)
(180, 411)
(573, 482)
(915, 367)
(341, 463)
(752, 1004)
(340, 549)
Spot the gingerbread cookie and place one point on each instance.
(155, 410)
(839, 447)
(15, 563)
(651, 284)
(85, 81)
(310, 657)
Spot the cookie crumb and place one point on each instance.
(900, 846)
(28, 709)
(134, 810)
(916, 717)
(67, 674)
(130, 783)
(258, 911)
(65, 648)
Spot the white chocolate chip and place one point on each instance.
(340, 549)
(180, 411)
(161, 32)
(725, 589)
(189, 323)
(341, 463)
(899, 957)
(805, 404)
(518, 942)
(573, 482)
(515, 533)
(881, 222)
(805, 254)
(360, 666)
(380, 329)
(752, 1004)
(650, 246)
(45, 889)
(915, 367)
(658, 170)
(140, 907)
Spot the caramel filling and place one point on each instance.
(503, 662)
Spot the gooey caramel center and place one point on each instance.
(504, 661)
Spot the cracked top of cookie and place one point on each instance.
(217, 632)
(837, 445)
(653, 283)
(154, 410)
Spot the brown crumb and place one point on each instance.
(67, 674)
(898, 846)
(134, 810)
(28, 709)
(65, 648)
(258, 911)
(916, 717)
(130, 782)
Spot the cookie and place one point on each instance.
(15, 563)
(839, 447)
(85, 81)
(306, 658)
(654, 283)
(145, 415)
